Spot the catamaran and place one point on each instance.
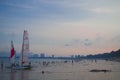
(24, 57)
(12, 54)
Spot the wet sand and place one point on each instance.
(64, 70)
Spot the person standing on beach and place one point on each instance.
(2, 65)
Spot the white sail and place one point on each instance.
(12, 53)
(25, 49)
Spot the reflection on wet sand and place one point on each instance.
(19, 75)
(65, 70)
(12, 75)
(24, 75)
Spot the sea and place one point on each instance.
(60, 69)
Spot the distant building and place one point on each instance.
(42, 55)
(35, 55)
(72, 56)
(53, 56)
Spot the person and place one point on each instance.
(2, 65)
(30, 64)
(12, 65)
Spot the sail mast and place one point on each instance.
(22, 49)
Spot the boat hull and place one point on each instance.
(22, 67)
(19, 67)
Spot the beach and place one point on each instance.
(64, 70)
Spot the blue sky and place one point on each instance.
(61, 27)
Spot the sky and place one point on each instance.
(61, 27)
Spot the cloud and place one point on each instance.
(87, 42)
(67, 45)
(102, 10)
(79, 42)
(18, 4)
(116, 39)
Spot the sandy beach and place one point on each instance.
(64, 70)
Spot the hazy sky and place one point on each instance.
(61, 27)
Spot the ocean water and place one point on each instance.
(44, 69)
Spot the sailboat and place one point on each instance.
(24, 57)
(12, 54)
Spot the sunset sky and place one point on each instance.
(61, 27)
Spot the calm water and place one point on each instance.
(61, 70)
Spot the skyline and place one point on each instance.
(61, 27)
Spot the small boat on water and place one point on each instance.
(24, 62)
